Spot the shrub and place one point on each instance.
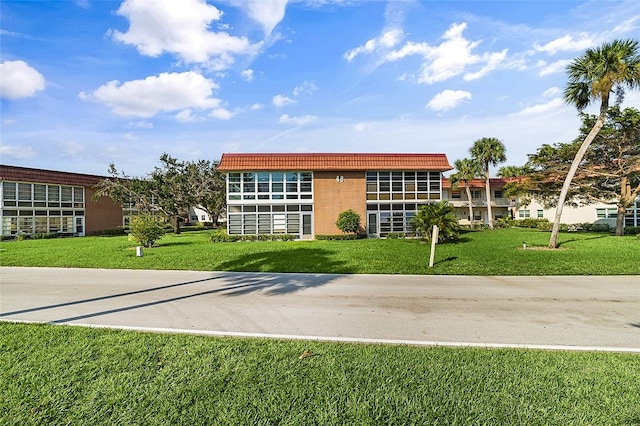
(146, 229)
(221, 236)
(632, 230)
(339, 236)
(44, 235)
(348, 222)
(110, 232)
(441, 214)
(395, 235)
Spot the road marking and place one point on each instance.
(405, 342)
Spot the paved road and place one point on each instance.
(575, 311)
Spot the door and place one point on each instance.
(372, 225)
(79, 226)
(307, 231)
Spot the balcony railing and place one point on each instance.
(495, 202)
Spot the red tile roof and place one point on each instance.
(333, 162)
(25, 174)
(479, 183)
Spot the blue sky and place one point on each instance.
(86, 83)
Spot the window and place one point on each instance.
(399, 186)
(523, 214)
(476, 194)
(540, 214)
(456, 195)
(498, 194)
(606, 213)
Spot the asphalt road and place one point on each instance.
(572, 312)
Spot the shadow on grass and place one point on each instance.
(298, 260)
(582, 239)
(223, 283)
(448, 259)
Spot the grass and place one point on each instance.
(497, 252)
(73, 375)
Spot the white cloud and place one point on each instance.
(166, 92)
(268, 13)
(70, 148)
(180, 28)
(247, 75)
(541, 109)
(362, 127)
(448, 99)
(387, 40)
(18, 80)
(298, 121)
(450, 58)
(185, 116)
(551, 92)
(8, 121)
(281, 100)
(552, 68)
(17, 152)
(566, 43)
(256, 107)
(129, 137)
(307, 88)
(221, 114)
(142, 124)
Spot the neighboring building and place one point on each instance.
(514, 208)
(42, 201)
(500, 206)
(303, 194)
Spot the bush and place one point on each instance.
(396, 235)
(44, 235)
(441, 214)
(110, 232)
(146, 229)
(337, 237)
(632, 230)
(348, 222)
(221, 236)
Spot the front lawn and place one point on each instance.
(497, 252)
(54, 375)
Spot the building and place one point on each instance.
(515, 208)
(303, 194)
(500, 206)
(43, 201)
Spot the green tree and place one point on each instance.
(596, 74)
(441, 214)
(169, 190)
(513, 171)
(466, 171)
(146, 229)
(609, 171)
(348, 222)
(488, 152)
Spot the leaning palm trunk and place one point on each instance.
(488, 190)
(470, 202)
(553, 241)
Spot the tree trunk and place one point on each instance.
(622, 211)
(487, 186)
(468, 191)
(176, 225)
(553, 241)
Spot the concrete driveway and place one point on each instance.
(566, 312)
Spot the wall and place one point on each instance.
(101, 214)
(330, 198)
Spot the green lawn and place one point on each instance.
(72, 375)
(497, 252)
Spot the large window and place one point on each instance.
(29, 208)
(399, 186)
(249, 186)
(268, 219)
(523, 214)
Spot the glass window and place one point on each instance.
(248, 177)
(78, 194)
(54, 193)
(292, 177)
(277, 187)
(540, 214)
(306, 177)
(24, 191)
(522, 214)
(305, 187)
(263, 177)
(66, 193)
(372, 177)
(40, 192)
(234, 177)
(8, 191)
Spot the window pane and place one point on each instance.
(292, 177)
(66, 193)
(234, 177)
(24, 191)
(8, 191)
(54, 193)
(305, 177)
(39, 192)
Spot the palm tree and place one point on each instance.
(467, 170)
(441, 214)
(488, 152)
(612, 67)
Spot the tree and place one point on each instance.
(348, 221)
(207, 185)
(467, 170)
(594, 76)
(609, 172)
(513, 171)
(146, 229)
(441, 214)
(488, 152)
(169, 190)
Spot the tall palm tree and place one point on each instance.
(612, 67)
(467, 170)
(488, 152)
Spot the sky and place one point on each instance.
(87, 83)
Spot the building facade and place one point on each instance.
(597, 213)
(303, 194)
(43, 201)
